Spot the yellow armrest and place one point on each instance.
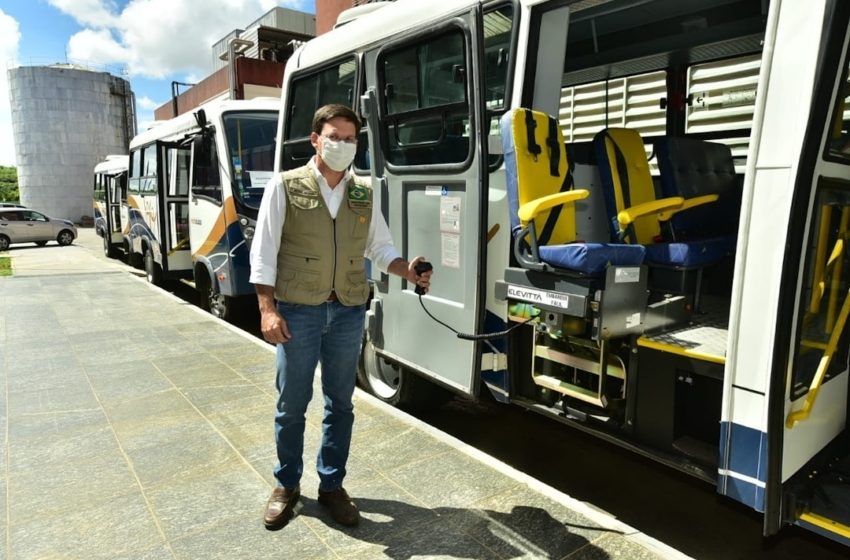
(689, 203)
(530, 209)
(629, 215)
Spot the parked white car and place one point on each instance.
(21, 225)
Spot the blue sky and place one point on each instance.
(149, 42)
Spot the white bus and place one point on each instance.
(194, 188)
(109, 195)
(713, 338)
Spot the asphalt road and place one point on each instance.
(681, 511)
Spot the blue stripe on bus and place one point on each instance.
(742, 491)
(746, 450)
(743, 452)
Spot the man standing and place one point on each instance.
(316, 223)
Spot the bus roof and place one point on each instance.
(374, 26)
(113, 164)
(180, 125)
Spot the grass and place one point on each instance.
(5, 266)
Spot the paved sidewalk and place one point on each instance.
(136, 426)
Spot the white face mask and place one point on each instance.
(337, 155)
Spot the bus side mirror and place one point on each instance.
(201, 118)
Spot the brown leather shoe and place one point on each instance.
(341, 507)
(280, 507)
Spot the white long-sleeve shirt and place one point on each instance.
(266, 244)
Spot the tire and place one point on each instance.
(108, 249)
(41, 243)
(212, 300)
(396, 385)
(65, 238)
(4, 242)
(152, 271)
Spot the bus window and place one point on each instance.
(722, 101)
(251, 141)
(180, 186)
(826, 288)
(334, 84)
(135, 170)
(99, 193)
(631, 102)
(147, 182)
(498, 27)
(424, 94)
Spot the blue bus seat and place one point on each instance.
(691, 168)
(542, 200)
(636, 214)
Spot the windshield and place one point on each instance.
(251, 143)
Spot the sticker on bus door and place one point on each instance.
(450, 231)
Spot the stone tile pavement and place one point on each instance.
(136, 426)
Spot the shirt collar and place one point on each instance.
(321, 178)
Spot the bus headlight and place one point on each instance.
(247, 225)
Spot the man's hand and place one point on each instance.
(274, 327)
(272, 323)
(422, 280)
(405, 269)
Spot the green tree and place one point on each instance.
(9, 184)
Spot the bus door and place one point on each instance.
(784, 421)
(116, 189)
(816, 447)
(425, 130)
(174, 208)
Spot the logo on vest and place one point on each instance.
(358, 195)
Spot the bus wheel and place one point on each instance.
(395, 384)
(212, 300)
(152, 270)
(108, 251)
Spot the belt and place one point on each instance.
(332, 296)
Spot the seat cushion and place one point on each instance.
(591, 258)
(693, 254)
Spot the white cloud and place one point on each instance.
(147, 103)
(158, 38)
(97, 46)
(96, 13)
(10, 37)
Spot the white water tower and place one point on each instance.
(65, 120)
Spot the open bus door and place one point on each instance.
(802, 461)
(429, 178)
(116, 195)
(174, 258)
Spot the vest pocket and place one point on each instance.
(297, 283)
(358, 287)
(360, 222)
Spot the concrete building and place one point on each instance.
(65, 119)
(259, 51)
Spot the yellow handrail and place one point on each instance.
(803, 413)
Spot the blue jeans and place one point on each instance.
(329, 333)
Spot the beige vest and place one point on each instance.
(317, 253)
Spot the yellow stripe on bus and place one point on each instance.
(826, 524)
(673, 349)
(228, 209)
